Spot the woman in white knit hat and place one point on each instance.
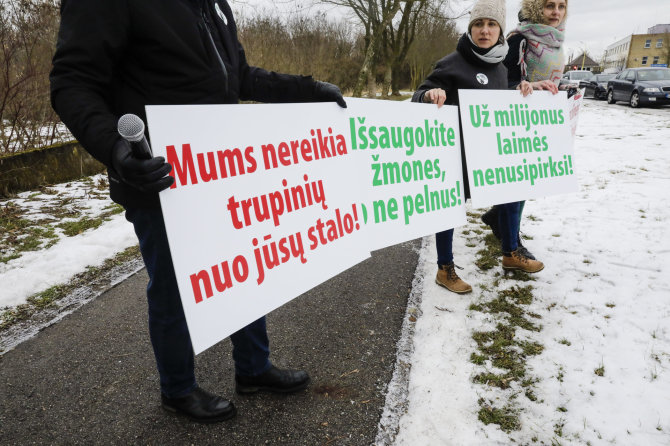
(476, 64)
(534, 62)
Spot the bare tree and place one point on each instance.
(375, 17)
(400, 36)
(435, 38)
(327, 49)
(390, 29)
(27, 37)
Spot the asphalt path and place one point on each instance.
(91, 378)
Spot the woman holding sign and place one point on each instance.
(476, 64)
(534, 62)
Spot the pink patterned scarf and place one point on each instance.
(542, 55)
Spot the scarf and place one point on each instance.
(481, 56)
(541, 57)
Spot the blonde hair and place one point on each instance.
(533, 10)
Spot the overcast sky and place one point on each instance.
(592, 24)
(595, 24)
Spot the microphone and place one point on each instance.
(131, 128)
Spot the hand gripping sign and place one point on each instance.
(516, 148)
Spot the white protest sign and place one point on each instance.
(516, 148)
(413, 175)
(263, 208)
(575, 104)
(271, 200)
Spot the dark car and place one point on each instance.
(640, 86)
(576, 78)
(597, 86)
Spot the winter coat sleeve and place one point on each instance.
(511, 62)
(258, 84)
(91, 41)
(438, 78)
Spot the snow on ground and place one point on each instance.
(603, 299)
(35, 271)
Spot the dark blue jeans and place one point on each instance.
(444, 241)
(167, 324)
(508, 222)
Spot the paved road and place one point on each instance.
(90, 379)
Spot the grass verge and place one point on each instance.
(502, 353)
(49, 298)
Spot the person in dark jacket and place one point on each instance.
(534, 62)
(114, 57)
(476, 64)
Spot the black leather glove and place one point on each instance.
(326, 92)
(145, 175)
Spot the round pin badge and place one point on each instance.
(482, 79)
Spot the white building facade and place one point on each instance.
(616, 55)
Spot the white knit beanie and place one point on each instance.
(489, 9)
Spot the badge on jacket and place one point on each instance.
(482, 79)
(220, 13)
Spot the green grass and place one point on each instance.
(19, 233)
(489, 257)
(501, 355)
(49, 297)
(72, 228)
(477, 359)
(11, 218)
(507, 417)
(509, 301)
(500, 348)
(112, 209)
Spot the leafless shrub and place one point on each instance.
(27, 37)
(435, 39)
(329, 51)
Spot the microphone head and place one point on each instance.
(131, 127)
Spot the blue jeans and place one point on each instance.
(508, 222)
(167, 324)
(444, 241)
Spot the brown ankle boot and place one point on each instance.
(517, 260)
(447, 277)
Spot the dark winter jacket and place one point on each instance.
(116, 56)
(462, 70)
(511, 62)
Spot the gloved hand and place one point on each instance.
(326, 92)
(145, 175)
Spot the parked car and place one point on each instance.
(640, 86)
(576, 78)
(597, 86)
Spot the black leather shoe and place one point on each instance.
(200, 406)
(274, 380)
